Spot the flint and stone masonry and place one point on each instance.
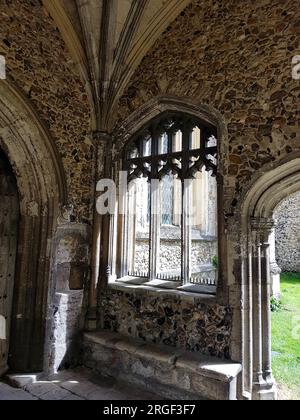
(288, 234)
(82, 80)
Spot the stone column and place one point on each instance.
(155, 229)
(266, 233)
(257, 309)
(186, 230)
(264, 387)
(100, 247)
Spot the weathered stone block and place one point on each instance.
(176, 374)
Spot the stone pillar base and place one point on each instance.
(267, 394)
(91, 320)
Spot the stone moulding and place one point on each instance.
(138, 47)
(72, 40)
(16, 97)
(163, 103)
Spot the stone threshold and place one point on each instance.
(23, 380)
(172, 373)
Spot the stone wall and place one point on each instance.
(70, 275)
(67, 323)
(203, 252)
(231, 55)
(234, 56)
(39, 64)
(287, 216)
(42, 71)
(162, 318)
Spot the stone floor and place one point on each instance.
(7, 393)
(78, 384)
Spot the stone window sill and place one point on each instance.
(163, 288)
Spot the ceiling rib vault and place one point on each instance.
(108, 40)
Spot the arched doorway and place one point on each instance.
(9, 219)
(40, 178)
(257, 229)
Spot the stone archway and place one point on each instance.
(42, 192)
(257, 227)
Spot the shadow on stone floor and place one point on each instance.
(77, 384)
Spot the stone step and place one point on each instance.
(22, 380)
(167, 371)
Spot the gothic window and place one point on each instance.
(169, 232)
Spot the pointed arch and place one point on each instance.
(272, 185)
(272, 188)
(172, 104)
(42, 191)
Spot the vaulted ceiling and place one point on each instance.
(108, 39)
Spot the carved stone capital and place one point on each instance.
(102, 136)
(262, 224)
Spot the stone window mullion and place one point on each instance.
(186, 231)
(155, 228)
(155, 210)
(186, 208)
